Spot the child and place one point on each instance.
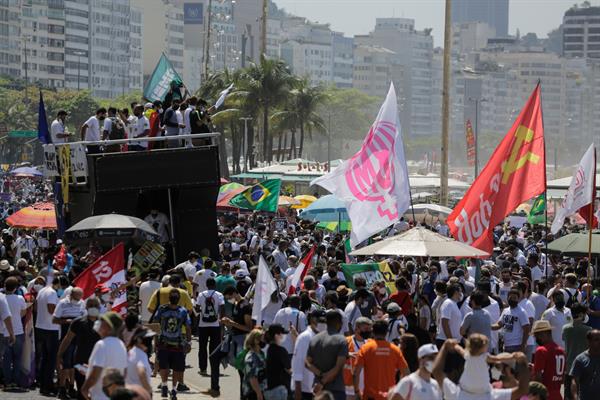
(397, 323)
(475, 379)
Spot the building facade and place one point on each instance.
(492, 12)
(581, 32)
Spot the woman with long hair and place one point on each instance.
(254, 380)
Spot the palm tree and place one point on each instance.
(307, 100)
(267, 85)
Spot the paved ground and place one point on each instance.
(229, 384)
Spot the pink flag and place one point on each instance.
(301, 270)
(373, 184)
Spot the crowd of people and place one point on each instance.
(521, 324)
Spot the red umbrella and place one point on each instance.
(37, 216)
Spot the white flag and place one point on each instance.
(373, 184)
(224, 94)
(263, 289)
(581, 190)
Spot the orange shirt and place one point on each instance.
(380, 360)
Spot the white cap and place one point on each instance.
(148, 105)
(427, 350)
(59, 241)
(241, 274)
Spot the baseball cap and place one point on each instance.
(319, 314)
(59, 241)
(427, 350)
(276, 329)
(148, 105)
(113, 319)
(393, 308)
(241, 274)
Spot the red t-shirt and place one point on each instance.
(550, 361)
(404, 301)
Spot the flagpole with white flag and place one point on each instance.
(581, 191)
(263, 289)
(590, 221)
(373, 184)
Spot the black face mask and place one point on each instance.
(174, 300)
(513, 303)
(539, 342)
(559, 304)
(262, 344)
(366, 334)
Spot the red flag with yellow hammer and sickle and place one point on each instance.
(515, 173)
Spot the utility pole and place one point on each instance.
(329, 143)
(78, 54)
(245, 142)
(263, 38)
(446, 106)
(207, 41)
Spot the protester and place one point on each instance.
(419, 385)
(549, 360)
(584, 371)
(254, 380)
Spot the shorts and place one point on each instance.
(169, 359)
(68, 359)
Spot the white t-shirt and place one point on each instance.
(218, 301)
(352, 313)
(93, 129)
(414, 387)
(540, 302)
(475, 378)
(188, 268)
(299, 371)
(16, 304)
(453, 392)
(57, 128)
(558, 319)
(449, 310)
(137, 358)
(536, 273)
(4, 313)
(202, 276)
(394, 327)
(271, 309)
(513, 320)
(45, 297)
(137, 127)
(295, 317)
(147, 289)
(109, 352)
(68, 309)
(529, 309)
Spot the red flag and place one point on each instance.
(304, 266)
(60, 259)
(108, 271)
(587, 212)
(515, 173)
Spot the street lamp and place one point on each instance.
(79, 53)
(477, 101)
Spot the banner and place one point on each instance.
(78, 161)
(50, 161)
(108, 271)
(470, 144)
(515, 173)
(373, 184)
(372, 272)
(64, 157)
(149, 255)
(537, 214)
(159, 83)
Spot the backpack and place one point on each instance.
(571, 298)
(117, 129)
(209, 313)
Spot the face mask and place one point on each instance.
(37, 288)
(539, 342)
(559, 304)
(321, 327)
(60, 292)
(97, 325)
(366, 334)
(513, 303)
(262, 345)
(428, 366)
(496, 374)
(231, 301)
(383, 291)
(460, 298)
(586, 319)
(160, 111)
(93, 312)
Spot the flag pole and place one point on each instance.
(539, 83)
(590, 228)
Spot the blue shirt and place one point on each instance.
(171, 325)
(594, 322)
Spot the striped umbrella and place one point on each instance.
(37, 216)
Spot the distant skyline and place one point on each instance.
(356, 17)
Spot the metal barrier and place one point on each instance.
(143, 139)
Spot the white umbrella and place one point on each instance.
(110, 226)
(420, 242)
(430, 209)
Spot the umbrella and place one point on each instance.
(345, 226)
(305, 201)
(576, 244)
(227, 188)
(224, 181)
(26, 172)
(36, 216)
(327, 208)
(420, 242)
(223, 201)
(287, 201)
(110, 226)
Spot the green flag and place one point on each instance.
(537, 214)
(372, 272)
(162, 78)
(263, 196)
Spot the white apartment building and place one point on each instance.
(469, 36)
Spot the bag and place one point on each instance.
(572, 298)
(117, 129)
(240, 360)
(209, 313)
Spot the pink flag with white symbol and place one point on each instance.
(373, 184)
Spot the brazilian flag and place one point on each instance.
(263, 196)
(537, 214)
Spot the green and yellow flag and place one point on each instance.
(263, 196)
(537, 214)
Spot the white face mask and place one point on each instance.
(462, 296)
(97, 325)
(279, 339)
(38, 287)
(231, 301)
(428, 365)
(496, 374)
(93, 312)
(321, 327)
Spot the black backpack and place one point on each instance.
(117, 129)
(209, 312)
(571, 298)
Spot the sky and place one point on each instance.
(358, 16)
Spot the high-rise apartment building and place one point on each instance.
(581, 32)
(343, 60)
(492, 12)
